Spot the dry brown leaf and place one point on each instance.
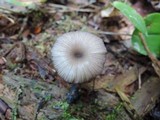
(121, 81)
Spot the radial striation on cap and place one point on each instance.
(78, 56)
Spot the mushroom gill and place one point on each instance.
(78, 56)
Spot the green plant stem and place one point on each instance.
(156, 63)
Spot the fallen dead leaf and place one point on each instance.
(121, 81)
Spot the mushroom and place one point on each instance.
(78, 56)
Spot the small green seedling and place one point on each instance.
(114, 115)
(63, 105)
(148, 26)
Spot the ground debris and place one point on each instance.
(145, 98)
(30, 85)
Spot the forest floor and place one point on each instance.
(30, 89)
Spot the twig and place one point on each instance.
(154, 60)
(139, 81)
(23, 26)
(68, 9)
(8, 10)
(8, 18)
(108, 33)
(12, 22)
(139, 72)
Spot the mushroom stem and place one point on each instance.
(78, 57)
(73, 94)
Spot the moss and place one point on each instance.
(114, 115)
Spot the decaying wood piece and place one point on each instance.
(16, 81)
(144, 99)
(30, 99)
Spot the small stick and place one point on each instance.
(24, 24)
(109, 33)
(69, 9)
(5, 9)
(139, 81)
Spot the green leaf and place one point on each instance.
(153, 37)
(132, 15)
(153, 21)
(152, 17)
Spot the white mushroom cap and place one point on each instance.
(78, 56)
